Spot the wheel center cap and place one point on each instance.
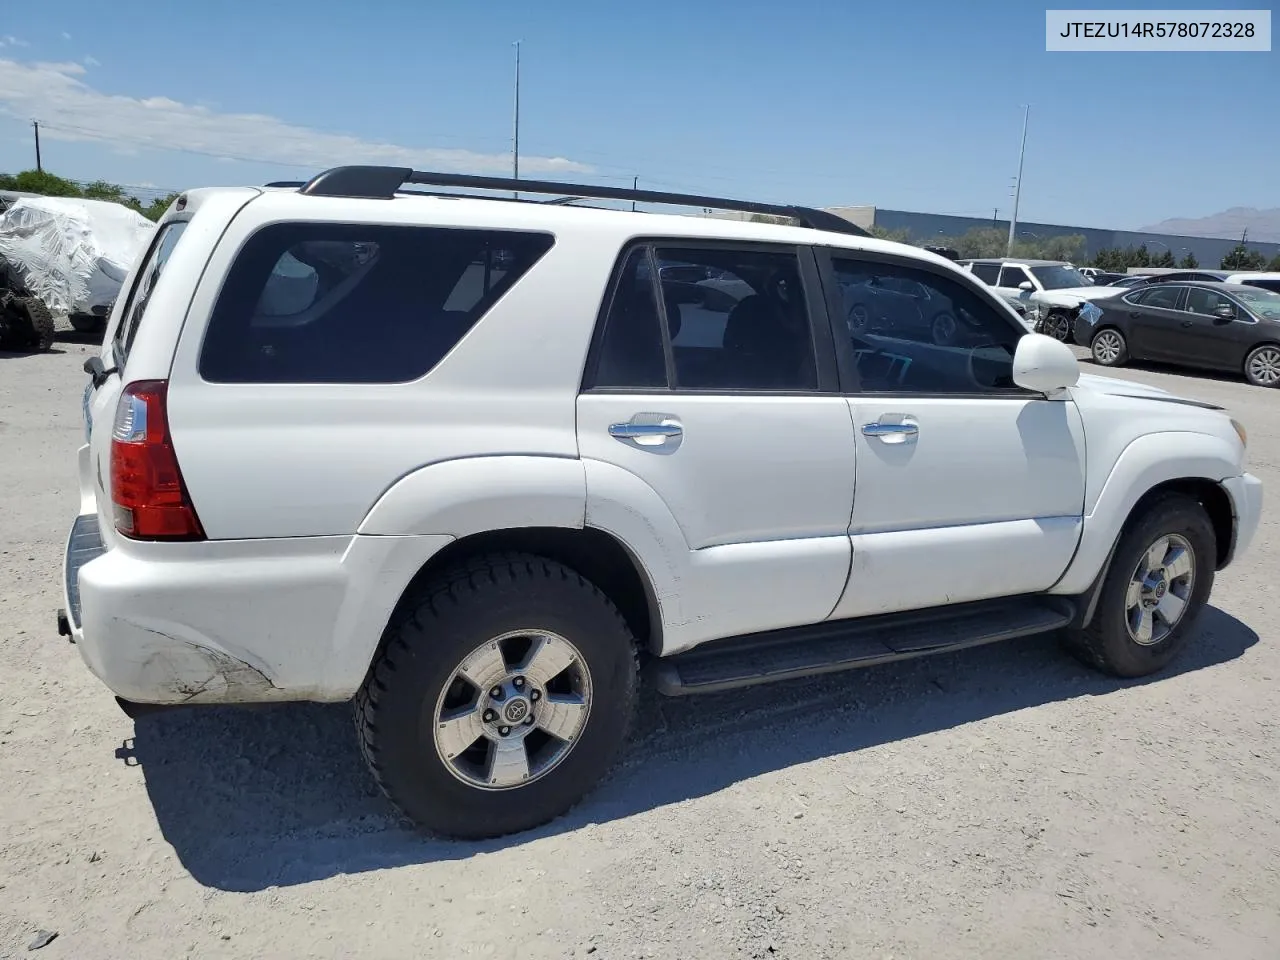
(516, 710)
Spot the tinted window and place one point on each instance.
(987, 272)
(162, 247)
(738, 319)
(631, 353)
(917, 332)
(343, 303)
(1264, 284)
(1200, 300)
(1012, 276)
(1164, 297)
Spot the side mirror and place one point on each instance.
(1043, 364)
(1026, 285)
(1224, 311)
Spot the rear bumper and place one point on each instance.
(1246, 503)
(234, 621)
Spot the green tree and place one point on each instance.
(1189, 262)
(1164, 259)
(1110, 259)
(42, 182)
(1241, 257)
(981, 242)
(1138, 257)
(156, 208)
(1274, 265)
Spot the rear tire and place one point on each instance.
(41, 320)
(1108, 348)
(87, 323)
(477, 630)
(1158, 583)
(1262, 366)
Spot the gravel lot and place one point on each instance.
(1003, 802)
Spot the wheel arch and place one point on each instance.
(1209, 494)
(598, 556)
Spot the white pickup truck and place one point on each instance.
(479, 465)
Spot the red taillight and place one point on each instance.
(151, 501)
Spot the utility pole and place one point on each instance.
(995, 215)
(1017, 190)
(515, 140)
(35, 124)
(635, 185)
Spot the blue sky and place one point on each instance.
(905, 105)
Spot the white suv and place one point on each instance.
(479, 464)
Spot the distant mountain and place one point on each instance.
(1263, 225)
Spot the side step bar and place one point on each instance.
(845, 644)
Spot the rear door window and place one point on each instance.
(988, 273)
(162, 247)
(344, 303)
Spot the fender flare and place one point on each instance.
(472, 495)
(1146, 463)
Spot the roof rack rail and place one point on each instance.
(382, 183)
(285, 183)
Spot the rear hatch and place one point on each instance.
(142, 331)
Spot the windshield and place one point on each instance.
(1059, 278)
(1262, 303)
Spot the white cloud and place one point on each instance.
(65, 35)
(13, 41)
(92, 62)
(70, 109)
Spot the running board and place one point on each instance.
(845, 644)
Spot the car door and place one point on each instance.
(968, 487)
(1208, 339)
(1154, 316)
(1012, 275)
(717, 444)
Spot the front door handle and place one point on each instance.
(1187, 323)
(891, 432)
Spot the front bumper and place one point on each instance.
(1246, 503)
(234, 621)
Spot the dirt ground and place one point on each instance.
(1003, 802)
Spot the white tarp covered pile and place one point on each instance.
(73, 254)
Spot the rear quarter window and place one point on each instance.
(347, 303)
(162, 247)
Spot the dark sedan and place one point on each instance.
(1217, 326)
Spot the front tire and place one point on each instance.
(1058, 326)
(1108, 348)
(1158, 582)
(505, 688)
(1262, 366)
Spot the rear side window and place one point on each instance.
(162, 246)
(1164, 297)
(347, 303)
(987, 272)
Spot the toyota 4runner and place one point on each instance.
(480, 464)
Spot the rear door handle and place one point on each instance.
(653, 431)
(1186, 323)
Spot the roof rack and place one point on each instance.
(285, 183)
(383, 183)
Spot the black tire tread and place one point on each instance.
(424, 602)
(1090, 644)
(42, 325)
